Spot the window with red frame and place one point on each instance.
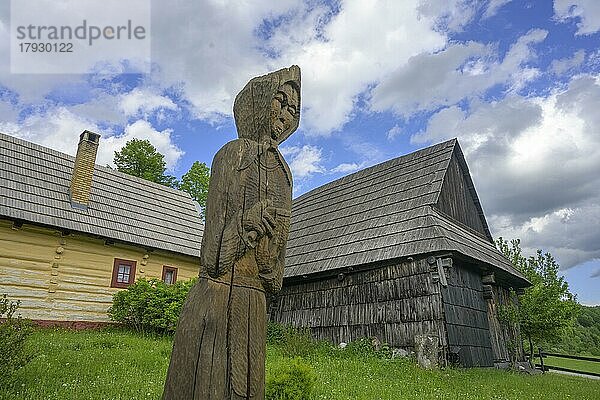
(123, 273)
(169, 275)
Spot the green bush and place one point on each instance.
(368, 347)
(13, 335)
(294, 342)
(292, 380)
(298, 342)
(276, 333)
(150, 305)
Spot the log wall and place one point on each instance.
(67, 278)
(396, 302)
(392, 302)
(505, 336)
(466, 315)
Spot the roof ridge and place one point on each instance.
(41, 148)
(327, 185)
(125, 208)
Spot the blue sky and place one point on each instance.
(517, 82)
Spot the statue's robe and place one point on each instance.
(219, 346)
(220, 340)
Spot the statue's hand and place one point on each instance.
(257, 222)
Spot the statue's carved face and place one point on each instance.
(284, 111)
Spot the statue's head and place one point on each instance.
(268, 108)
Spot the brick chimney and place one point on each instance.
(83, 170)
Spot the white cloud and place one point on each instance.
(59, 129)
(586, 11)
(340, 61)
(214, 47)
(102, 107)
(32, 88)
(305, 160)
(534, 162)
(450, 15)
(393, 132)
(563, 65)
(428, 81)
(143, 130)
(347, 168)
(8, 112)
(210, 48)
(455, 15)
(144, 101)
(494, 6)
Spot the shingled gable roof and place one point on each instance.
(34, 187)
(385, 212)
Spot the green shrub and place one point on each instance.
(276, 333)
(294, 342)
(150, 305)
(369, 347)
(13, 335)
(298, 342)
(292, 380)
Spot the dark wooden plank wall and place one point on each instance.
(393, 303)
(505, 337)
(456, 200)
(466, 314)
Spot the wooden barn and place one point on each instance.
(72, 233)
(398, 250)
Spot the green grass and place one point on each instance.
(578, 365)
(121, 365)
(93, 365)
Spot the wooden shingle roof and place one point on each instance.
(34, 187)
(385, 212)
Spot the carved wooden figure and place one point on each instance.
(219, 347)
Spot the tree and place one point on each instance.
(195, 182)
(547, 307)
(140, 158)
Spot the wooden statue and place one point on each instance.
(219, 347)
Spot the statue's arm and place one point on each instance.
(230, 229)
(220, 238)
(271, 254)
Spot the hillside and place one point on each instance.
(583, 338)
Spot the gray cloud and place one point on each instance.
(595, 274)
(535, 164)
(561, 66)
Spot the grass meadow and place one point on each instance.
(116, 364)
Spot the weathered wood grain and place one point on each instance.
(392, 302)
(505, 336)
(457, 198)
(466, 315)
(243, 250)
